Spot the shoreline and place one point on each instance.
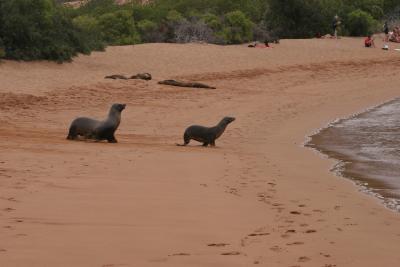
(259, 197)
(339, 167)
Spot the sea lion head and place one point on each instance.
(228, 119)
(118, 107)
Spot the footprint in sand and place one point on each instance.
(310, 231)
(303, 259)
(325, 255)
(232, 253)
(217, 244)
(276, 249)
(258, 234)
(9, 209)
(295, 212)
(3, 250)
(179, 254)
(317, 210)
(297, 243)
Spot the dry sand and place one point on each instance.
(259, 197)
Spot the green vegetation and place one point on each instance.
(44, 29)
(360, 23)
(39, 29)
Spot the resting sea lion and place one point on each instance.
(144, 76)
(98, 130)
(116, 76)
(206, 135)
(186, 84)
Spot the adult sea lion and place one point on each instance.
(116, 76)
(206, 135)
(144, 76)
(98, 130)
(186, 84)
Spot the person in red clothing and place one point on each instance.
(369, 42)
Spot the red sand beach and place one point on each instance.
(258, 198)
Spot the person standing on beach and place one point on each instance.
(386, 31)
(335, 24)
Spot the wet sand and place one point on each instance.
(367, 145)
(259, 197)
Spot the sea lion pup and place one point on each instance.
(206, 135)
(98, 130)
(144, 76)
(116, 76)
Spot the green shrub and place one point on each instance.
(90, 33)
(212, 21)
(2, 51)
(174, 16)
(149, 31)
(39, 29)
(118, 28)
(360, 23)
(238, 28)
(146, 26)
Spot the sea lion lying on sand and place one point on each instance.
(206, 135)
(186, 84)
(116, 76)
(144, 76)
(98, 130)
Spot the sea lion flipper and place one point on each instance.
(180, 144)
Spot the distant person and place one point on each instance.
(386, 31)
(335, 24)
(395, 36)
(369, 41)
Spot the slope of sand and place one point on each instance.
(259, 197)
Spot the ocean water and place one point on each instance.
(367, 146)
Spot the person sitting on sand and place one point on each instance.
(369, 41)
(395, 35)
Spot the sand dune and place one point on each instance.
(258, 198)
